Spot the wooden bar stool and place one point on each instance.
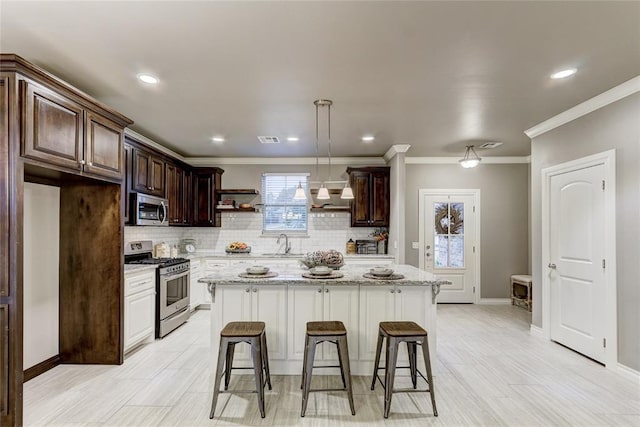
(319, 332)
(252, 333)
(413, 335)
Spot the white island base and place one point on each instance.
(287, 302)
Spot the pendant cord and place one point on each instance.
(317, 173)
(329, 139)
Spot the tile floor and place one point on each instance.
(489, 371)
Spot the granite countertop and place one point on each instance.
(292, 275)
(257, 255)
(136, 268)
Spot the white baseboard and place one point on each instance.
(494, 301)
(536, 331)
(628, 372)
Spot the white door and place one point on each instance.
(576, 254)
(449, 244)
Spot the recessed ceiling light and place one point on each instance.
(217, 139)
(368, 138)
(293, 138)
(148, 78)
(564, 73)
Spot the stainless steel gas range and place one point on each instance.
(172, 285)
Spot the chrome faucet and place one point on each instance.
(287, 245)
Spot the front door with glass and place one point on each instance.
(449, 243)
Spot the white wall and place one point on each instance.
(41, 258)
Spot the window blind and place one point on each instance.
(281, 213)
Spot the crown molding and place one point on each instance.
(154, 145)
(216, 161)
(396, 149)
(612, 95)
(455, 160)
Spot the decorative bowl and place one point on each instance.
(257, 269)
(381, 271)
(321, 270)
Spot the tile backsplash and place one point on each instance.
(326, 231)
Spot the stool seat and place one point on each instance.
(243, 329)
(327, 328)
(402, 329)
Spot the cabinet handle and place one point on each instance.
(326, 290)
(255, 290)
(82, 162)
(320, 290)
(149, 188)
(392, 291)
(90, 163)
(399, 291)
(246, 290)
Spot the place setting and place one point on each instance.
(258, 272)
(382, 273)
(322, 272)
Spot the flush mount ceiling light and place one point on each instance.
(368, 138)
(470, 159)
(148, 78)
(564, 73)
(293, 139)
(217, 139)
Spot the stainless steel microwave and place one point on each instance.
(149, 210)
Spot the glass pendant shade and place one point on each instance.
(470, 159)
(300, 194)
(323, 193)
(347, 192)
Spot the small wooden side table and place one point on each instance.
(521, 290)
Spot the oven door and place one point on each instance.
(173, 293)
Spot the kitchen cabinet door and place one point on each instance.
(341, 302)
(103, 147)
(269, 305)
(371, 189)
(305, 305)
(413, 304)
(140, 317)
(53, 127)
(175, 194)
(212, 266)
(377, 304)
(148, 174)
(196, 290)
(126, 196)
(205, 184)
(234, 305)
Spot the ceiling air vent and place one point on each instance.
(268, 140)
(490, 145)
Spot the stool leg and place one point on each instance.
(411, 349)
(392, 359)
(265, 359)
(343, 351)
(377, 363)
(304, 360)
(256, 353)
(229, 364)
(427, 365)
(216, 387)
(341, 363)
(308, 372)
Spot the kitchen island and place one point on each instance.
(287, 302)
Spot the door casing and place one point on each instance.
(608, 159)
(421, 228)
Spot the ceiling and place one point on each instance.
(435, 75)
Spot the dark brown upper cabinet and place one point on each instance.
(148, 173)
(59, 131)
(179, 195)
(371, 204)
(206, 182)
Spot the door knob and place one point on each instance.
(553, 266)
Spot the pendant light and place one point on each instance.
(470, 159)
(300, 194)
(323, 192)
